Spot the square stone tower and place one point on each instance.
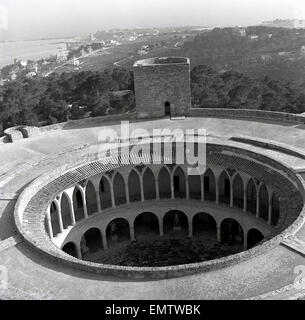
(162, 87)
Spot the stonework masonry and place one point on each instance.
(160, 82)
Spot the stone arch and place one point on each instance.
(254, 237)
(54, 219)
(78, 204)
(164, 183)
(275, 203)
(117, 231)
(146, 224)
(91, 241)
(251, 196)
(238, 192)
(134, 186)
(105, 193)
(209, 183)
(224, 184)
(204, 225)
(149, 186)
(232, 232)
(175, 222)
(70, 248)
(194, 186)
(263, 202)
(119, 189)
(179, 183)
(65, 211)
(91, 198)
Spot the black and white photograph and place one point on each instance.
(152, 150)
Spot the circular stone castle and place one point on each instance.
(80, 221)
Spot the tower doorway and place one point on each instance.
(167, 108)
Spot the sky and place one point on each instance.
(34, 19)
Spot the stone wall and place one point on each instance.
(156, 84)
(247, 114)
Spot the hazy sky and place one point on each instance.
(54, 18)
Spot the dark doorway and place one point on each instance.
(167, 108)
(227, 188)
(206, 184)
(176, 183)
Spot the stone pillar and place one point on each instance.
(79, 252)
(142, 189)
(202, 187)
(49, 224)
(112, 195)
(187, 187)
(257, 203)
(269, 207)
(83, 192)
(245, 241)
(157, 189)
(172, 188)
(61, 227)
(231, 194)
(190, 222)
(245, 198)
(132, 235)
(69, 193)
(217, 190)
(218, 232)
(104, 239)
(98, 199)
(160, 226)
(127, 193)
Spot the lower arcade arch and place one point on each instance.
(175, 222)
(204, 225)
(117, 231)
(146, 224)
(91, 241)
(231, 232)
(254, 237)
(70, 248)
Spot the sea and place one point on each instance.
(30, 49)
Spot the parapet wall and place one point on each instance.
(247, 114)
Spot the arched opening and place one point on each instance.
(232, 232)
(254, 237)
(91, 241)
(134, 187)
(167, 108)
(91, 199)
(78, 205)
(65, 211)
(146, 224)
(175, 223)
(263, 202)
(70, 248)
(149, 185)
(117, 231)
(238, 192)
(105, 193)
(204, 225)
(224, 188)
(275, 210)
(209, 185)
(251, 197)
(54, 219)
(179, 183)
(195, 187)
(164, 183)
(119, 189)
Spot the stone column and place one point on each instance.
(142, 189)
(49, 224)
(83, 192)
(172, 188)
(112, 195)
(127, 193)
(257, 203)
(69, 193)
(190, 222)
(187, 187)
(218, 232)
(132, 235)
(79, 252)
(104, 239)
(245, 198)
(217, 190)
(202, 187)
(160, 226)
(98, 199)
(245, 241)
(157, 189)
(231, 194)
(58, 207)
